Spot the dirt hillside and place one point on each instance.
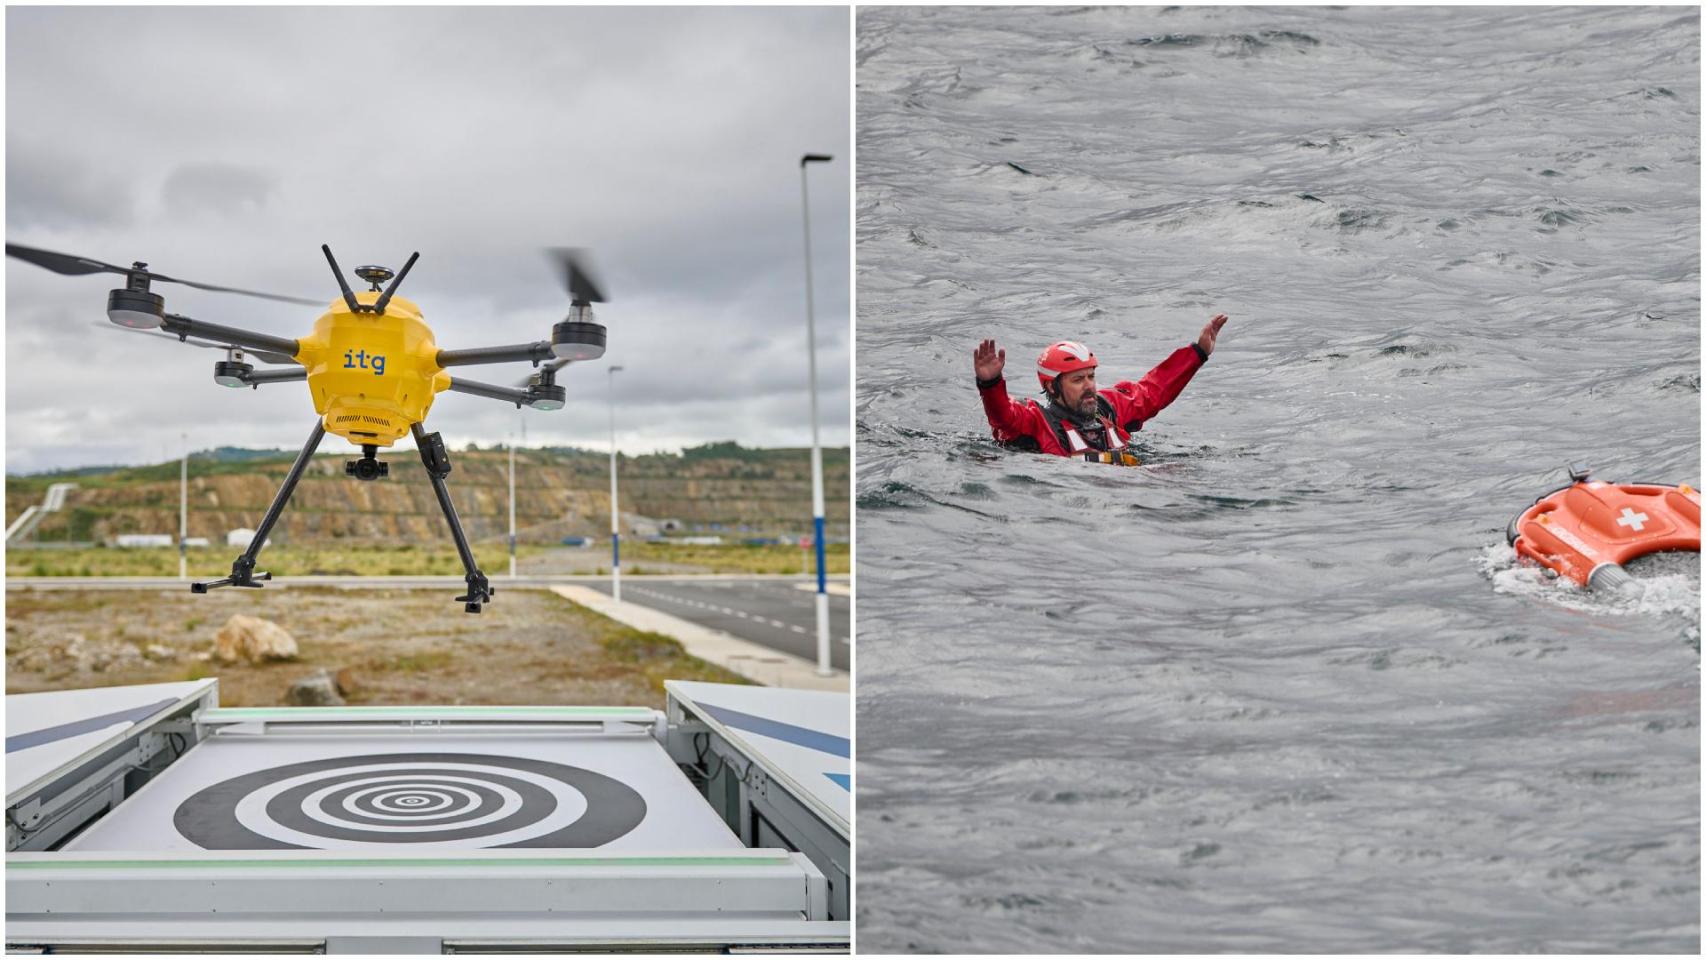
(717, 489)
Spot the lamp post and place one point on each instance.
(184, 510)
(823, 667)
(615, 526)
(512, 506)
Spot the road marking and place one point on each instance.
(1632, 519)
(710, 607)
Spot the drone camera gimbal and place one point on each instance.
(369, 467)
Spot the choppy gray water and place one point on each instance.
(1284, 689)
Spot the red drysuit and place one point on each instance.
(1124, 407)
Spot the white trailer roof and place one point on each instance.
(802, 736)
(46, 731)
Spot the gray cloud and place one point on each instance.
(667, 140)
(51, 187)
(220, 189)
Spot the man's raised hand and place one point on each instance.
(989, 362)
(1210, 331)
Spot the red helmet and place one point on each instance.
(1065, 356)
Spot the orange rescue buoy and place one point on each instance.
(1589, 529)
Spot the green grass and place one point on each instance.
(658, 657)
(283, 561)
(427, 660)
(739, 558)
(386, 560)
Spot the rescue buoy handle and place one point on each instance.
(1510, 528)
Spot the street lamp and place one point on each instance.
(615, 527)
(823, 667)
(184, 510)
(512, 506)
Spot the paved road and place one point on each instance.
(774, 613)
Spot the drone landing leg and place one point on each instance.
(437, 461)
(243, 568)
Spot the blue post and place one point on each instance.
(821, 586)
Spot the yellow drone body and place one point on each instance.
(372, 376)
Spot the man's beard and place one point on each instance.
(1087, 406)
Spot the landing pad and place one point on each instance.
(428, 792)
(154, 819)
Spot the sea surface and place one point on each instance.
(1284, 688)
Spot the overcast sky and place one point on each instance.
(225, 145)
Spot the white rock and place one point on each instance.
(254, 640)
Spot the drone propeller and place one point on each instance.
(265, 355)
(74, 266)
(577, 275)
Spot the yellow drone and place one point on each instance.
(372, 367)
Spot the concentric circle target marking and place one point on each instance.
(425, 800)
(333, 804)
(403, 802)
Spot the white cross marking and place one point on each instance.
(1632, 519)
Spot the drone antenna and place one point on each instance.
(385, 298)
(343, 284)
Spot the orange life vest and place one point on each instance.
(1073, 441)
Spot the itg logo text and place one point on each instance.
(362, 360)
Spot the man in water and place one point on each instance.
(1079, 420)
